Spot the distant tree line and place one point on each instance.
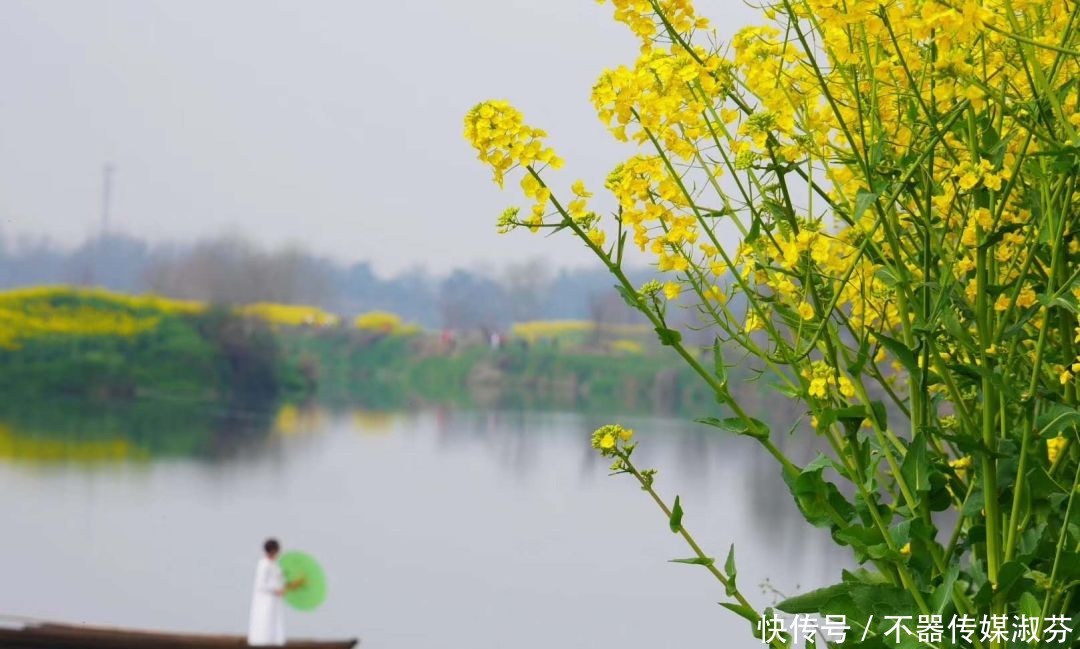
(229, 270)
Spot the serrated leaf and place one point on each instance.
(820, 502)
(867, 543)
(630, 297)
(668, 337)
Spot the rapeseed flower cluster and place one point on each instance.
(610, 439)
(842, 97)
(877, 204)
(504, 142)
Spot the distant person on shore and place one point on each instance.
(267, 624)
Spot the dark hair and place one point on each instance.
(271, 546)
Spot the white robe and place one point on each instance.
(267, 625)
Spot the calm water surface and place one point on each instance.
(437, 529)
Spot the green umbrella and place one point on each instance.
(312, 592)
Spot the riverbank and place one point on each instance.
(99, 345)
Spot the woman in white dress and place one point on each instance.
(267, 623)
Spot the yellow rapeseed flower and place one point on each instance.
(578, 188)
(597, 237)
(1054, 447)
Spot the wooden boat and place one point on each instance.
(69, 636)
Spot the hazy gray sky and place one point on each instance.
(332, 124)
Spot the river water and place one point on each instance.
(436, 528)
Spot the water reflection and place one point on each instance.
(515, 442)
(89, 432)
(688, 455)
(496, 528)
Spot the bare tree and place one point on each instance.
(527, 284)
(232, 270)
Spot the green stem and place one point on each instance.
(729, 586)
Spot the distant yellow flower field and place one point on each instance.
(41, 311)
(384, 322)
(64, 311)
(289, 315)
(540, 329)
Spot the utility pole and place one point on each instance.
(106, 196)
(90, 277)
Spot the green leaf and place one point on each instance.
(853, 416)
(1018, 327)
(867, 542)
(863, 355)
(901, 352)
(997, 235)
(1057, 419)
(1029, 606)
(737, 425)
(695, 561)
(756, 428)
(957, 331)
(719, 369)
(916, 466)
(943, 593)
(730, 571)
(742, 611)
(853, 599)
(1069, 566)
(676, 516)
(668, 337)
(863, 200)
(1012, 580)
(820, 502)
(755, 229)
(815, 601)
(1067, 302)
(630, 297)
(940, 498)
(881, 414)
